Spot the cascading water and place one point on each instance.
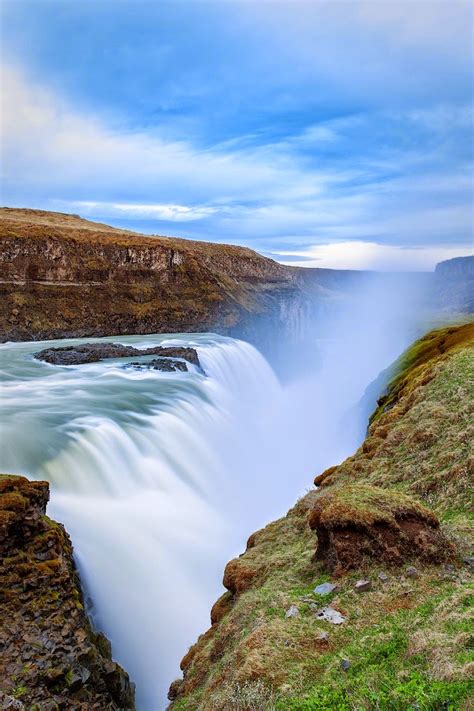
(160, 477)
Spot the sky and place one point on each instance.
(325, 133)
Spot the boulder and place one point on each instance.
(358, 521)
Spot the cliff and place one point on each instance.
(62, 276)
(360, 597)
(454, 285)
(50, 657)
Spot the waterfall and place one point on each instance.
(148, 472)
(160, 477)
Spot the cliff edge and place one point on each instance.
(361, 596)
(50, 657)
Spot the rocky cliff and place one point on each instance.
(361, 597)
(62, 276)
(454, 285)
(50, 656)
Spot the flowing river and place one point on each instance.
(160, 477)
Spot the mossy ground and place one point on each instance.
(408, 640)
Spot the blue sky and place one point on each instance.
(319, 133)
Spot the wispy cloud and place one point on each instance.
(370, 255)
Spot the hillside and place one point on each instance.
(62, 276)
(391, 530)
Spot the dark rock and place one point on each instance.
(469, 561)
(383, 577)
(345, 664)
(78, 677)
(95, 352)
(174, 689)
(167, 365)
(362, 586)
(46, 624)
(411, 572)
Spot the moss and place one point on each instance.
(361, 505)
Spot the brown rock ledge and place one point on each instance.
(358, 521)
(50, 657)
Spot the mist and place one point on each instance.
(161, 477)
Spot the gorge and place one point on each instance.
(159, 477)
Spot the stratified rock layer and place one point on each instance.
(50, 657)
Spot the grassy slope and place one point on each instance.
(409, 640)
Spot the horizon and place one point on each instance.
(315, 136)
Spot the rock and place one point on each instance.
(95, 352)
(322, 636)
(292, 611)
(362, 586)
(45, 612)
(345, 664)
(325, 589)
(167, 365)
(358, 521)
(383, 577)
(329, 614)
(79, 676)
(175, 687)
(8, 703)
(469, 561)
(411, 572)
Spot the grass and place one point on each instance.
(408, 640)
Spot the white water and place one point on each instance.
(160, 477)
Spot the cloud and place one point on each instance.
(169, 213)
(337, 180)
(370, 255)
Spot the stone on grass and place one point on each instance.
(325, 589)
(383, 577)
(292, 611)
(329, 614)
(345, 664)
(323, 636)
(362, 586)
(469, 561)
(411, 572)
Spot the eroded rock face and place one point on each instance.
(95, 352)
(358, 521)
(50, 657)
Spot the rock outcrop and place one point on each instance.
(358, 522)
(50, 657)
(95, 352)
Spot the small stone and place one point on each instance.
(323, 637)
(292, 611)
(362, 586)
(80, 675)
(345, 664)
(383, 577)
(412, 572)
(325, 589)
(329, 614)
(469, 561)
